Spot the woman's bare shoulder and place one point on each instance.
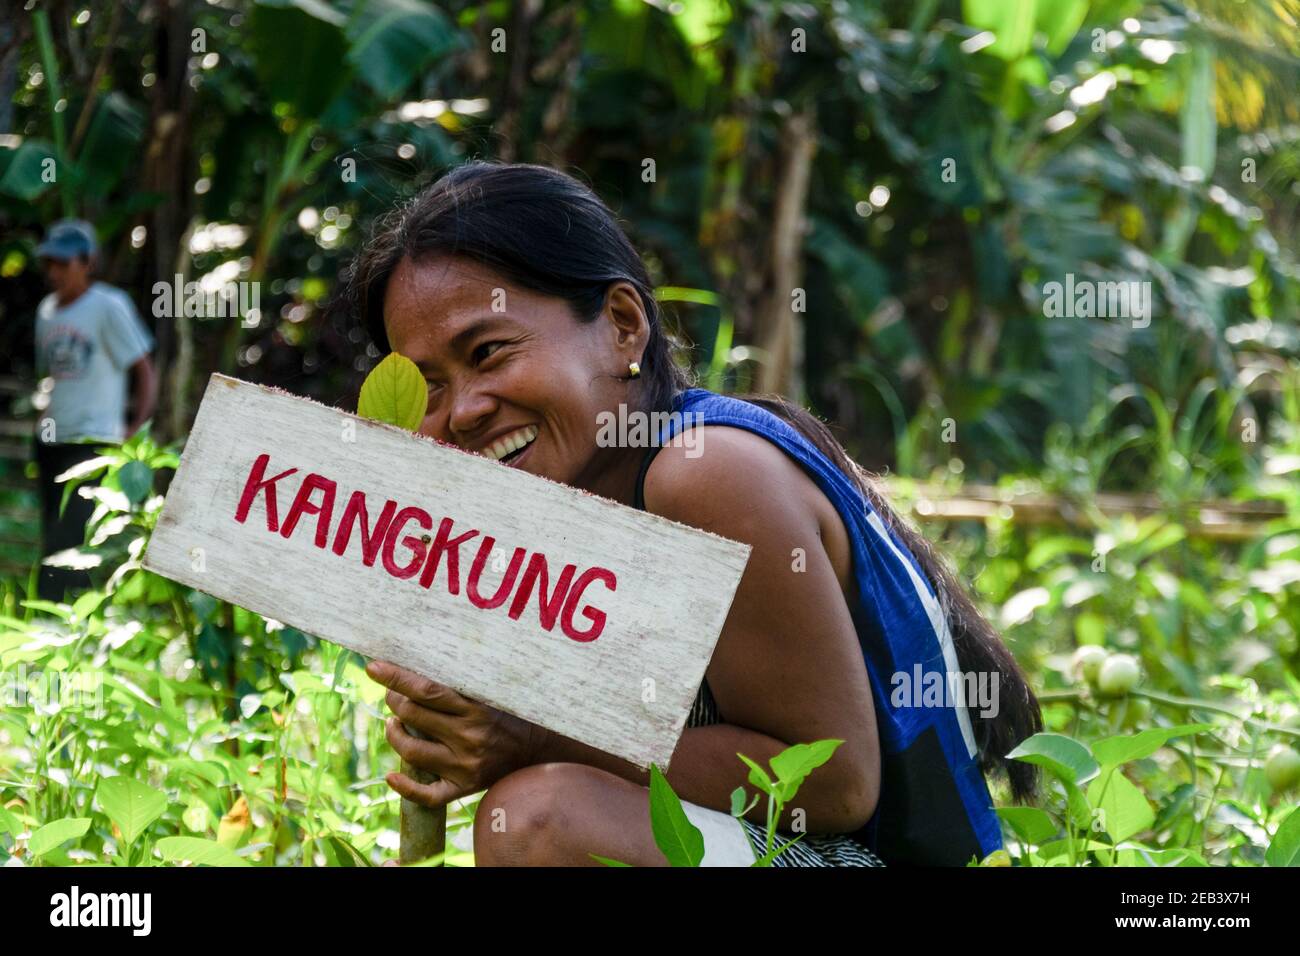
(738, 484)
(723, 475)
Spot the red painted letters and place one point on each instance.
(425, 553)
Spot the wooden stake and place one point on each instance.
(423, 830)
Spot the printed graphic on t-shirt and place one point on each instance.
(67, 352)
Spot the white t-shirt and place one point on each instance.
(87, 347)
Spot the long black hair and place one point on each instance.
(549, 232)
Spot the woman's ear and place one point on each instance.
(626, 314)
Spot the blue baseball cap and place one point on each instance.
(67, 239)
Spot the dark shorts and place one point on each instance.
(66, 531)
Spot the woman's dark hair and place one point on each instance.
(537, 226)
(548, 232)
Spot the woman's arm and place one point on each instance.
(788, 667)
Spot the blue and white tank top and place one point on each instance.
(934, 806)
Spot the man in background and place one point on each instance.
(89, 341)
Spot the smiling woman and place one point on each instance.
(530, 314)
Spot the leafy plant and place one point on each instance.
(681, 842)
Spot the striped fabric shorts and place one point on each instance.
(726, 843)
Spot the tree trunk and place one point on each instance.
(780, 330)
(167, 170)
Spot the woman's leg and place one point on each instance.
(557, 814)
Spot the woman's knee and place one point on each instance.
(525, 816)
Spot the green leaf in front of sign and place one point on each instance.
(395, 393)
(677, 838)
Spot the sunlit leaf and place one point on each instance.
(394, 392)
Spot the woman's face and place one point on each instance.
(512, 374)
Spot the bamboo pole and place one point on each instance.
(423, 830)
(1218, 520)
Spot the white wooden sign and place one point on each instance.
(590, 618)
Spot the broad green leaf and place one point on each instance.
(1285, 848)
(55, 834)
(130, 804)
(1062, 756)
(85, 605)
(394, 392)
(677, 838)
(1113, 751)
(758, 776)
(793, 764)
(606, 860)
(393, 41)
(1031, 824)
(1126, 811)
(23, 170)
(1010, 21)
(197, 851)
(307, 72)
(136, 479)
(1059, 20)
(110, 147)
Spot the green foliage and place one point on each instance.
(147, 723)
(1098, 826)
(681, 842)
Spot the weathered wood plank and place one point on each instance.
(616, 664)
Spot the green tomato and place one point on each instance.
(1136, 712)
(1087, 661)
(1118, 675)
(1283, 768)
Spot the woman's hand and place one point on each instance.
(470, 747)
